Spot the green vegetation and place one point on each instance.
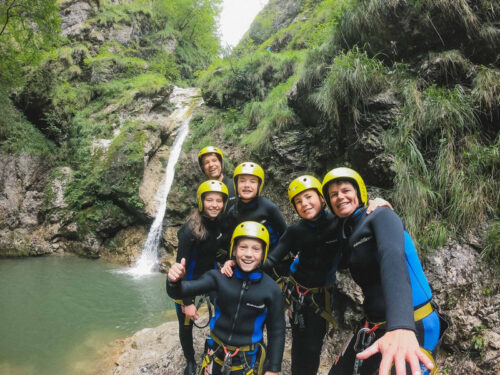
(491, 250)
(268, 116)
(27, 29)
(445, 180)
(231, 82)
(18, 135)
(436, 116)
(353, 79)
(194, 26)
(73, 91)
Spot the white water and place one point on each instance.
(185, 101)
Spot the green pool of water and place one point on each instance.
(57, 313)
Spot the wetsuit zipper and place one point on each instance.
(243, 288)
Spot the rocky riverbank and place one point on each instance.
(465, 289)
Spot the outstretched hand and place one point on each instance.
(177, 270)
(398, 347)
(227, 268)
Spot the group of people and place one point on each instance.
(236, 248)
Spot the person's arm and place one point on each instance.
(281, 250)
(275, 324)
(278, 220)
(388, 231)
(399, 344)
(177, 288)
(184, 251)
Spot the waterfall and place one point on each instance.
(185, 101)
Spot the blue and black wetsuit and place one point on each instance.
(200, 257)
(244, 303)
(261, 210)
(383, 261)
(317, 245)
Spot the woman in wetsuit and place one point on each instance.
(243, 304)
(200, 238)
(402, 329)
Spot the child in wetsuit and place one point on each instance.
(243, 304)
(251, 206)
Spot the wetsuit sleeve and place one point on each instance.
(181, 289)
(275, 325)
(278, 220)
(389, 233)
(281, 250)
(184, 250)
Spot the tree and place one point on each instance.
(194, 24)
(28, 28)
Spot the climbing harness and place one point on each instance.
(223, 355)
(366, 336)
(299, 297)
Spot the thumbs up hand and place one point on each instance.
(178, 270)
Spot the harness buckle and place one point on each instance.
(364, 339)
(228, 362)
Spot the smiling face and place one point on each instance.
(343, 198)
(248, 254)
(213, 203)
(211, 166)
(248, 186)
(308, 204)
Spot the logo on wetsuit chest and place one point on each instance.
(219, 236)
(332, 241)
(362, 241)
(256, 306)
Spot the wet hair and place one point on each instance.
(196, 224)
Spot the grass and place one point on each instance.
(447, 68)
(269, 116)
(491, 251)
(250, 77)
(353, 79)
(398, 29)
(446, 172)
(486, 91)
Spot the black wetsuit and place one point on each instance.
(382, 260)
(316, 243)
(228, 181)
(261, 210)
(244, 302)
(200, 257)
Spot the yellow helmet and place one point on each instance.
(250, 168)
(210, 150)
(345, 174)
(251, 229)
(210, 186)
(301, 184)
